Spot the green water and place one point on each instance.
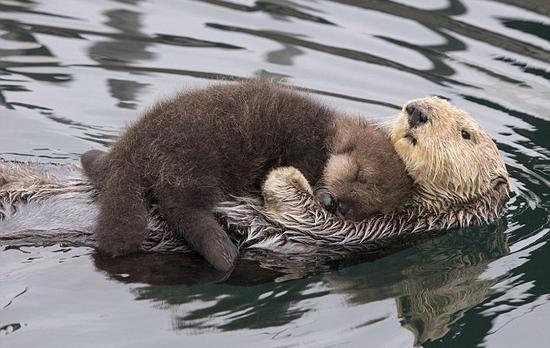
(74, 73)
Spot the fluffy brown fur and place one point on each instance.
(189, 152)
(363, 173)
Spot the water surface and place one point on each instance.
(73, 74)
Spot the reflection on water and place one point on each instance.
(433, 283)
(71, 77)
(430, 297)
(126, 48)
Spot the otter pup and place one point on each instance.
(190, 152)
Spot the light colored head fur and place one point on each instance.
(451, 159)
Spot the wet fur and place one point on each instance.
(364, 171)
(448, 169)
(189, 152)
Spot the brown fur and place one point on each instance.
(189, 152)
(364, 171)
(96, 164)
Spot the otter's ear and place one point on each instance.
(500, 182)
(501, 186)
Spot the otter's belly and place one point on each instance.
(47, 204)
(43, 204)
(63, 212)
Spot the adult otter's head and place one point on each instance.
(451, 159)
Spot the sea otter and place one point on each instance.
(460, 180)
(190, 152)
(47, 204)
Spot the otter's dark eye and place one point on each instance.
(466, 135)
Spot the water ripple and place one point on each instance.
(71, 77)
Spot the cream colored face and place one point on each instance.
(445, 150)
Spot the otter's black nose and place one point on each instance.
(344, 208)
(326, 200)
(417, 116)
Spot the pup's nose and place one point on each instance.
(326, 200)
(417, 116)
(344, 208)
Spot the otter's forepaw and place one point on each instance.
(278, 183)
(289, 176)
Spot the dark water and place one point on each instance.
(73, 73)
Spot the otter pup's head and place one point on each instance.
(363, 175)
(450, 158)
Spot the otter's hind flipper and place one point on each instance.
(123, 215)
(188, 210)
(96, 166)
(205, 235)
